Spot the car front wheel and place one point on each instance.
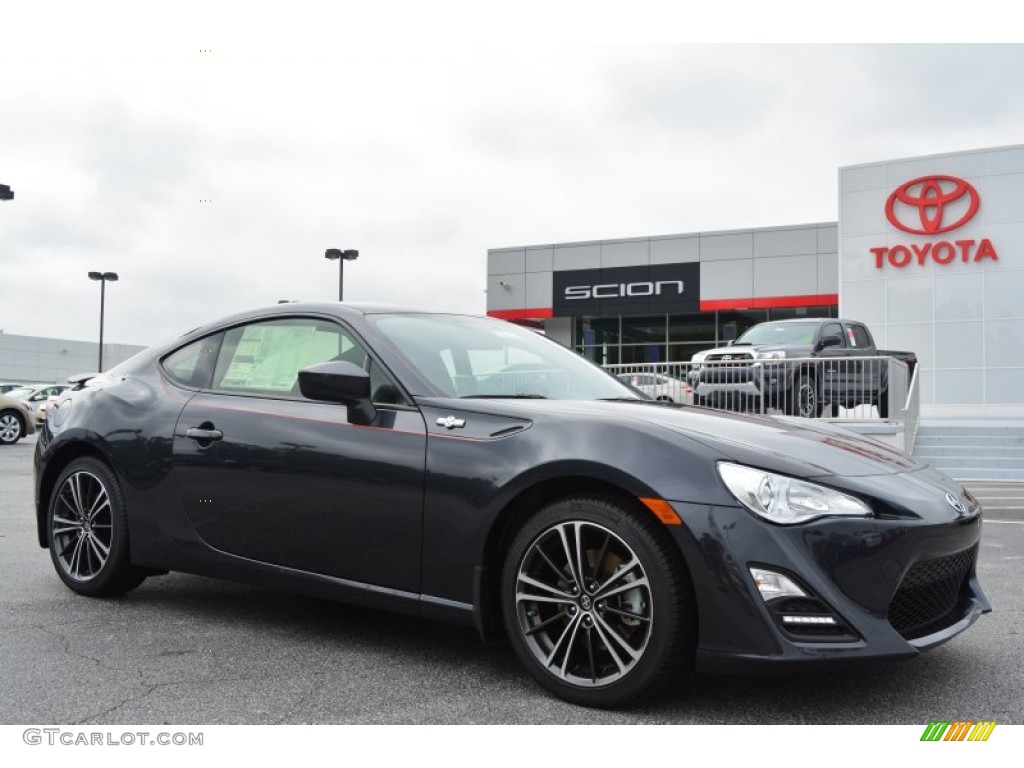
(597, 604)
(87, 529)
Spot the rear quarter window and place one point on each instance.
(191, 365)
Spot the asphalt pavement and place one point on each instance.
(189, 650)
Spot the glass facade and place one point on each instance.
(672, 338)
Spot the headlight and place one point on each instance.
(777, 355)
(699, 357)
(786, 500)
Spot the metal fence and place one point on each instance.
(862, 389)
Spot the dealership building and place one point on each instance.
(927, 251)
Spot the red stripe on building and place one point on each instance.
(771, 302)
(522, 314)
(709, 305)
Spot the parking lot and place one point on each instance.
(183, 649)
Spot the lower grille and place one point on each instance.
(930, 593)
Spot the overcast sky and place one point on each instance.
(420, 150)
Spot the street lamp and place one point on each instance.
(342, 257)
(103, 277)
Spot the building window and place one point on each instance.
(642, 353)
(731, 325)
(694, 327)
(672, 338)
(644, 330)
(791, 313)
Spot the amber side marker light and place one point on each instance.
(663, 511)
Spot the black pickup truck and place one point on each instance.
(803, 367)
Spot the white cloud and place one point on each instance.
(313, 129)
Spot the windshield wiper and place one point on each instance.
(503, 397)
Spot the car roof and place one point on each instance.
(812, 320)
(336, 308)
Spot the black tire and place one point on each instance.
(12, 427)
(804, 399)
(87, 531)
(564, 640)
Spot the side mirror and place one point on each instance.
(340, 382)
(830, 341)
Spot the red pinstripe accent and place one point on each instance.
(306, 418)
(426, 433)
(706, 305)
(771, 302)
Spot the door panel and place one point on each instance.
(291, 482)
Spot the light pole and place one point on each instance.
(103, 277)
(342, 257)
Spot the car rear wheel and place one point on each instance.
(597, 605)
(11, 428)
(87, 530)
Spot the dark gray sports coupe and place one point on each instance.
(468, 469)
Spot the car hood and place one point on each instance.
(818, 448)
(794, 446)
(739, 349)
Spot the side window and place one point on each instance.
(858, 337)
(834, 329)
(265, 358)
(188, 365)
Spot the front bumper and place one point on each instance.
(863, 572)
(748, 380)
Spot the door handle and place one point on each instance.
(198, 433)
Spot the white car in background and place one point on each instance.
(37, 396)
(659, 386)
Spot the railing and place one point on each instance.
(912, 409)
(851, 389)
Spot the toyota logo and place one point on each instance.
(920, 206)
(955, 503)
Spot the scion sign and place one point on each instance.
(628, 290)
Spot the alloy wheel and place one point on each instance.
(10, 428)
(82, 526)
(808, 400)
(584, 604)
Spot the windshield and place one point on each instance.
(779, 333)
(482, 357)
(21, 393)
